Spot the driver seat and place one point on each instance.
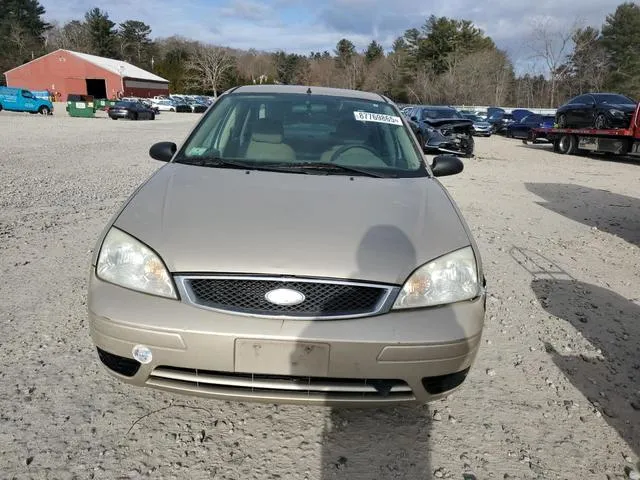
(353, 132)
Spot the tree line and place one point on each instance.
(446, 61)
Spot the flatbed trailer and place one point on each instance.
(575, 141)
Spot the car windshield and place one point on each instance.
(302, 133)
(475, 118)
(438, 113)
(614, 99)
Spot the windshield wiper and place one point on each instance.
(327, 167)
(214, 161)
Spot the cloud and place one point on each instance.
(300, 26)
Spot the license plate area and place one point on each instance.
(274, 357)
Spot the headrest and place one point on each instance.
(267, 131)
(351, 130)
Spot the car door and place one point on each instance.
(573, 111)
(529, 122)
(582, 111)
(28, 101)
(588, 113)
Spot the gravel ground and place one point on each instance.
(555, 392)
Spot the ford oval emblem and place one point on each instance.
(285, 297)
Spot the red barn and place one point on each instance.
(66, 72)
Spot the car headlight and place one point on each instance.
(616, 113)
(127, 262)
(448, 279)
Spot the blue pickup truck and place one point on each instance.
(21, 100)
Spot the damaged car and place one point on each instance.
(442, 129)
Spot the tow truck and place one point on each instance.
(576, 141)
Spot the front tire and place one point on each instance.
(469, 146)
(562, 121)
(44, 110)
(601, 122)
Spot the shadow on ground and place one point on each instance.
(610, 377)
(611, 323)
(377, 444)
(610, 212)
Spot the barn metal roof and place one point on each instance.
(114, 66)
(119, 67)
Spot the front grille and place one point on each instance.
(279, 386)
(322, 299)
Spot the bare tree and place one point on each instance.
(255, 67)
(426, 86)
(589, 62)
(379, 75)
(553, 45)
(323, 72)
(18, 38)
(208, 65)
(71, 36)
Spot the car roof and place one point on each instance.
(436, 107)
(333, 92)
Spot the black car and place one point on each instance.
(522, 128)
(197, 107)
(596, 110)
(442, 129)
(132, 111)
(500, 121)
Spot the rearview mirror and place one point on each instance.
(444, 165)
(163, 151)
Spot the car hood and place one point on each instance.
(481, 124)
(202, 219)
(625, 107)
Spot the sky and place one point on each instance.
(302, 26)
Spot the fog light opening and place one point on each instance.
(444, 383)
(142, 354)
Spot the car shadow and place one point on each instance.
(382, 442)
(610, 212)
(609, 375)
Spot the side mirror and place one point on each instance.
(444, 165)
(414, 118)
(163, 151)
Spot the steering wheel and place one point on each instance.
(345, 148)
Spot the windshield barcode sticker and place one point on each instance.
(377, 117)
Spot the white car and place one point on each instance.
(164, 105)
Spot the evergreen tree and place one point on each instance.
(373, 52)
(102, 33)
(135, 43)
(621, 40)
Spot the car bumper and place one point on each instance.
(118, 114)
(412, 356)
